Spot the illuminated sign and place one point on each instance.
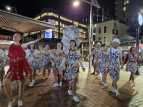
(48, 33)
(4, 37)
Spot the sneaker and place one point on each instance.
(133, 84)
(97, 77)
(117, 93)
(105, 85)
(102, 83)
(130, 82)
(33, 81)
(20, 103)
(39, 74)
(10, 104)
(70, 92)
(75, 98)
(55, 85)
(93, 73)
(60, 84)
(31, 84)
(48, 76)
(112, 89)
(42, 78)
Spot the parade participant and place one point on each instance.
(58, 56)
(47, 64)
(101, 65)
(132, 62)
(19, 67)
(114, 56)
(2, 65)
(40, 59)
(32, 55)
(95, 52)
(71, 74)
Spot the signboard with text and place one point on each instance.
(5, 37)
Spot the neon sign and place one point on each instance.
(4, 37)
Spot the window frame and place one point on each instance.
(100, 31)
(103, 29)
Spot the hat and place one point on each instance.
(98, 43)
(116, 40)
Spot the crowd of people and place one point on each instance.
(24, 60)
(109, 60)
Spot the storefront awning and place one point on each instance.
(21, 24)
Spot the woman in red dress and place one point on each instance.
(19, 67)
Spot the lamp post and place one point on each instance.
(9, 8)
(138, 22)
(92, 3)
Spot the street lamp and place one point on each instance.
(76, 3)
(9, 8)
(95, 4)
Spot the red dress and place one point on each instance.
(19, 66)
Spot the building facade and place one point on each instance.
(125, 10)
(60, 22)
(105, 32)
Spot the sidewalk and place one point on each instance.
(89, 91)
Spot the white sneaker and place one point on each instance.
(55, 85)
(130, 82)
(105, 85)
(10, 104)
(48, 76)
(102, 83)
(33, 81)
(75, 98)
(70, 92)
(117, 93)
(31, 84)
(134, 84)
(20, 103)
(42, 78)
(39, 74)
(60, 84)
(98, 77)
(112, 89)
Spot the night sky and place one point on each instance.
(31, 8)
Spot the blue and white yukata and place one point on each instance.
(73, 66)
(33, 58)
(2, 62)
(114, 64)
(101, 66)
(47, 61)
(132, 64)
(95, 55)
(57, 63)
